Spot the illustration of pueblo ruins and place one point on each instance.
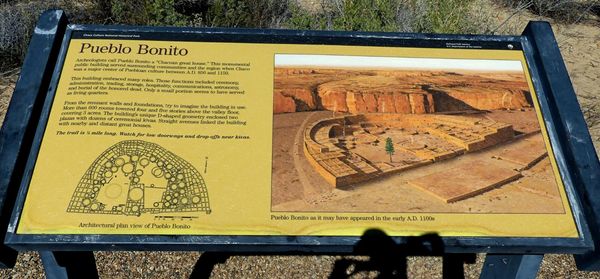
(393, 139)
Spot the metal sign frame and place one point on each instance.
(569, 137)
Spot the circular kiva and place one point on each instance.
(128, 168)
(135, 208)
(144, 162)
(136, 194)
(139, 172)
(108, 164)
(157, 172)
(113, 191)
(108, 174)
(184, 200)
(94, 206)
(86, 202)
(195, 199)
(135, 158)
(120, 161)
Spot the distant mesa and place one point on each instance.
(396, 91)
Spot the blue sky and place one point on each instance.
(343, 61)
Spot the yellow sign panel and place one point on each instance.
(198, 138)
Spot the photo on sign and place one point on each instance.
(391, 134)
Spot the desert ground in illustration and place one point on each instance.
(408, 140)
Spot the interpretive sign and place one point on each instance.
(159, 132)
(175, 138)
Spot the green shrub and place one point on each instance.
(128, 12)
(228, 13)
(448, 16)
(301, 19)
(162, 12)
(431, 16)
(190, 7)
(365, 15)
(148, 12)
(347, 15)
(244, 13)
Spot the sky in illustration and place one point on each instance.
(342, 61)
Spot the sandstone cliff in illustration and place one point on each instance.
(399, 91)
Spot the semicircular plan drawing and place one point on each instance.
(134, 177)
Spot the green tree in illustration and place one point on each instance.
(389, 147)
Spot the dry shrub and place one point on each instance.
(347, 15)
(567, 11)
(17, 20)
(430, 16)
(18, 17)
(242, 13)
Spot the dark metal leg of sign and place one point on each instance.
(67, 264)
(206, 263)
(51, 267)
(453, 264)
(8, 257)
(23, 113)
(511, 266)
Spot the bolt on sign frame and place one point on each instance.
(32, 145)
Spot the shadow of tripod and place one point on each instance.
(385, 256)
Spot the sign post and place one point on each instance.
(23, 115)
(581, 157)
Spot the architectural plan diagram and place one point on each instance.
(134, 177)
